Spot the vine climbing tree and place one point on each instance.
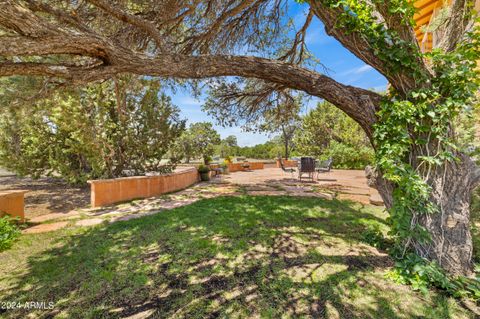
(423, 175)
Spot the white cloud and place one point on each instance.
(358, 70)
(316, 36)
(189, 101)
(363, 69)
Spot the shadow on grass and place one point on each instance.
(241, 256)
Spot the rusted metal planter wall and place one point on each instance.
(235, 167)
(110, 191)
(12, 203)
(287, 163)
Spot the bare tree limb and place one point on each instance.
(61, 16)
(201, 41)
(295, 54)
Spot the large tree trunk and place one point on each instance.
(451, 243)
(287, 154)
(449, 228)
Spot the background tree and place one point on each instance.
(205, 138)
(280, 115)
(227, 146)
(103, 131)
(199, 141)
(285, 120)
(184, 147)
(267, 150)
(83, 41)
(328, 132)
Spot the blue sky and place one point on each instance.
(342, 65)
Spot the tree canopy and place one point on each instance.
(198, 141)
(105, 130)
(327, 132)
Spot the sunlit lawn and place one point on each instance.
(225, 257)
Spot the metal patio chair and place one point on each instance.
(307, 166)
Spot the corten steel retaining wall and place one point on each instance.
(287, 163)
(12, 203)
(109, 191)
(235, 167)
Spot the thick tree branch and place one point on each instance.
(457, 23)
(136, 21)
(360, 104)
(396, 21)
(48, 45)
(19, 19)
(476, 177)
(71, 73)
(356, 43)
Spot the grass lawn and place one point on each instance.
(230, 257)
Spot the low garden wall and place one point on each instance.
(235, 167)
(287, 163)
(109, 191)
(12, 203)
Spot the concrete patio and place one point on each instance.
(341, 184)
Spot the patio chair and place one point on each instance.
(215, 168)
(307, 166)
(290, 170)
(324, 166)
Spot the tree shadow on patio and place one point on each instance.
(242, 256)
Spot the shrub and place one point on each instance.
(207, 159)
(8, 232)
(203, 169)
(328, 132)
(422, 274)
(347, 156)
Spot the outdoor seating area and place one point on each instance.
(339, 184)
(308, 166)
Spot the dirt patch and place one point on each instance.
(47, 195)
(43, 228)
